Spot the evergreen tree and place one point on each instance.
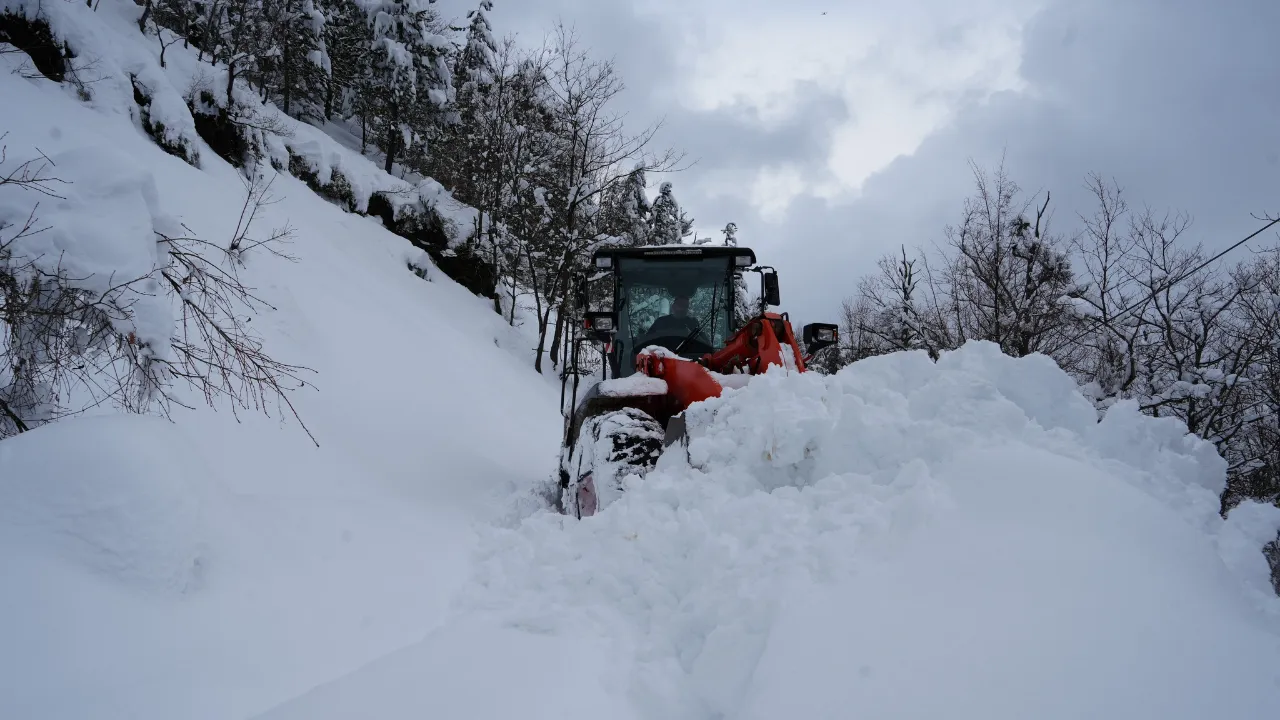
(346, 41)
(408, 86)
(668, 223)
(297, 65)
(469, 153)
(477, 65)
(742, 307)
(627, 210)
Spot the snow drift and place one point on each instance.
(904, 539)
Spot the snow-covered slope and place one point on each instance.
(212, 569)
(903, 540)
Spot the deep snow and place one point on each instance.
(905, 539)
(212, 569)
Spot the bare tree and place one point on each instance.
(69, 344)
(215, 350)
(896, 312)
(592, 152)
(1008, 278)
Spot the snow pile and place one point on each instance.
(956, 539)
(632, 385)
(135, 510)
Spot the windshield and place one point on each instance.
(684, 306)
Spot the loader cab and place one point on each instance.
(678, 297)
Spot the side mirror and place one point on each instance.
(820, 335)
(771, 296)
(602, 325)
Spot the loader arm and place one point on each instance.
(764, 341)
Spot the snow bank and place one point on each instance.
(98, 232)
(135, 509)
(956, 539)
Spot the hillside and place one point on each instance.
(905, 538)
(209, 567)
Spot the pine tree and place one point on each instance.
(409, 86)
(742, 309)
(346, 41)
(297, 65)
(626, 210)
(470, 152)
(477, 65)
(668, 223)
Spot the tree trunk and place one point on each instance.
(543, 321)
(142, 21)
(556, 338)
(511, 314)
(497, 274)
(231, 83)
(537, 301)
(286, 89)
(391, 145)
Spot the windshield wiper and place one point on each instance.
(714, 299)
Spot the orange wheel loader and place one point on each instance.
(674, 331)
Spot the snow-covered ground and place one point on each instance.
(903, 540)
(212, 569)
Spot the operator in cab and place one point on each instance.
(677, 323)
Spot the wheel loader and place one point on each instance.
(673, 330)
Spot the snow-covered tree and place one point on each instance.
(346, 40)
(668, 223)
(592, 152)
(1007, 281)
(476, 68)
(296, 66)
(76, 332)
(626, 210)
(730, 233)
(408, 89)
(744, 308)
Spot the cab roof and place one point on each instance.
(674, 252)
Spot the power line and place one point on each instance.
(1152, 295)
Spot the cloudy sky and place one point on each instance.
(834, 131)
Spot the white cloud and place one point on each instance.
(832, 139)
(774, 189)
(902, 71)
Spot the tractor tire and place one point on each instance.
(610, 447)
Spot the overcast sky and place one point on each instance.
(832, 132)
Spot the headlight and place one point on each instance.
(604, 263)
(603, 324)
(826, 334)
